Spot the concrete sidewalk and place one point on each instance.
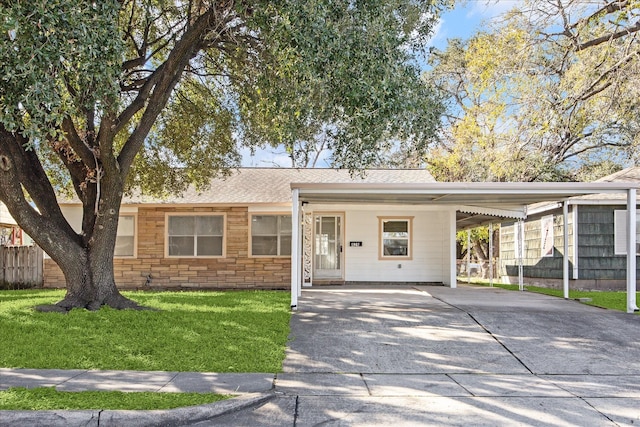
(251, 390)
(421, 355)
(176, 382)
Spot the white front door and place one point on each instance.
(327, 246)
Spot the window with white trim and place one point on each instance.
(271, 235)
(395, 237)
(125, 236)
(195, 235)
(620, 232)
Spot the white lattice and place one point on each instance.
(307, 246)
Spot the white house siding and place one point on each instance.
(430, 245)
(5, 216)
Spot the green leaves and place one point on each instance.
(56, 58)
(341, 66)
(548, 89)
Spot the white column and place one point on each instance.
(491, 254)
(576, 259)
(452, 249)
(631, 251)
(295, 248)
(468, 257)
(300, 248)
(565, 256)
(520, 238)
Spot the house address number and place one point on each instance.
(355, 244)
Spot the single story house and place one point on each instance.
(237, 234)
(276, 227)
(597, 244)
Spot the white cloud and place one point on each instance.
(488, 9)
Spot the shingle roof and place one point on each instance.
(272, 185)
(631, 175)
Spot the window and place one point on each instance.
(271, 235)
(620, 232)
(125, 236)
(546, 236)
(195, 235)
(395, 237)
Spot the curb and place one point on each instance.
(113, 418)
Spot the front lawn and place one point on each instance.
(235, 331)
(46, 398)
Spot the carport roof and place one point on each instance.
(476, 202)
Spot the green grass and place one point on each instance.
(614, 300)
(44, 398)
(243, 331)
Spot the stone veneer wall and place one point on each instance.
(235, 270)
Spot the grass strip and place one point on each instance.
(235, 331)
(614, 300)
(48, 398)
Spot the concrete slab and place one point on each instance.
(484, 298)
(118, 380)
(391, 385)
(278, 412)
(233, 383)
(111, 418)
(316, 384)
(623, 412)
(381, 332)
(449, 411)
(50, 418)
(33, 378)
(509, 385)
(606, 386)
(551, 335)
(595, 343)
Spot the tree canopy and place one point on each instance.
(549, 91)
(101, 97)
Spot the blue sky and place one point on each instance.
(461, 22)
(467, 18)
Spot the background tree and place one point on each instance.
(549, 90)
(155, 94)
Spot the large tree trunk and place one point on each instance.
(90, 284)
(86, 259)
(88, 270)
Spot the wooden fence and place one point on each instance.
(21, 265)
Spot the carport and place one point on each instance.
(464, 204)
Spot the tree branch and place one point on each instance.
(80, 147)
(609, 37)
(593, 90)
(157, 91)
(24, 172)
(614, 6)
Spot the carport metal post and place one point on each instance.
(295, 248)
(565, 256)
(520, 254)
(469, 256)
(631, 251)
(453, 264)
(491, 254)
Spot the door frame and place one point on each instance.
(341, 251)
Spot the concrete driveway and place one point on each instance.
(430, 355)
